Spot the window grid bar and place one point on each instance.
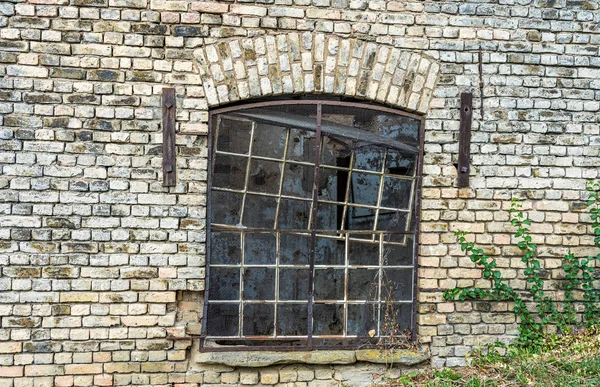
(278, 235)
(346, 203)
(313, 232)
(316, 266)
(243, 236)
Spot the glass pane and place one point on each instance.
(396, 193)
(353, 121)
(396, 255)
(404, 316)
(259, 319)
(259, 283)
(329, 216)
(226, 207)
(292, 320)
(264, 176)
(360, 219)
(399, 163)
(230, 172)
(397, 284)
(329, 284)
(293, 284)
(222, 319)
(225, 248)
(298, 180)
(234, 136)
(260, 211)
(294, 249)
(329, 251)
(363, 284)
(328, 319)
(392, 221)
(260, 249)
(333, 184)
(360, 253)
(336, 151)
(369, 158)
(301, 146)
(294, 214)
(269, 140)
(224, 283)
(398, 318)
(365, 188)
(362, 318)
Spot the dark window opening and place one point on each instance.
(312, 225)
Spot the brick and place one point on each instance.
(83, 369)
(11, 371)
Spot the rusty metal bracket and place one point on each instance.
(169, 163)
(464, 144)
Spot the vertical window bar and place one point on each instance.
(241, 292)
(380, 282)
(347, 193)
(313, 231)
(243, 210)
(379, 196)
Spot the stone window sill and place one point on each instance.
(268, 358)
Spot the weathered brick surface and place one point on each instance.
(101, 265)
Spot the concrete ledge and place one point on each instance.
(267, 358)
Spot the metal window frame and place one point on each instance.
(318, 103)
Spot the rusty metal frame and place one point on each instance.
(413, 209)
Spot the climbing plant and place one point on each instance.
(579, 277)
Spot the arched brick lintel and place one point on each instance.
(307, 63)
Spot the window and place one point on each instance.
(312, 224)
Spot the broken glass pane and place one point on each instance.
(398, 283)
(259, 283)
(292, 319)
(260, 211)
(328, 319)
(399, 163)
(301, 146)
(269, 140)
(260, 249)
(226, 207)
(336, 151)
(293, 284)
(225, 248)
(361, 253)
(362, 318)
(293, 214)
(294, 249)
(329, 251)
(222, 319)
(264, 176)
(363, 284)
(298, 180)
(230, 172)
(259, 319)
(329, 284)
(234, 135)
(224, 283)
(396, 193)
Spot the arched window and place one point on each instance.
(312, 224)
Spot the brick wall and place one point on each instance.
(102, 265)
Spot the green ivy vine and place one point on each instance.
(579, 278)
